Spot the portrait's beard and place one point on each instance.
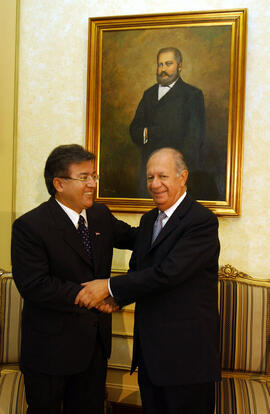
(170, 79)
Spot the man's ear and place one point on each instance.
(180, 67)
(58, 184)
(184, 177)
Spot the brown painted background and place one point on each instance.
(129, 67)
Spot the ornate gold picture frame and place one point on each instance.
(122, 62)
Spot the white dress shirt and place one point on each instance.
(73, 215)
(162, 90)
(169, 212)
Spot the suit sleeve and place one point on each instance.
(32, 274)
(195, 249)
(142, 120)
(124, 234)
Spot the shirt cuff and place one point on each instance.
(109, 288)
(145, 137)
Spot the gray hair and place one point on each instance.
(177, 54)
(180, 163)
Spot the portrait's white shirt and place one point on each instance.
(73, 215)
(162, 90)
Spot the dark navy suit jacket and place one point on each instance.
(176, 120)
(49, 264)
(175, 285)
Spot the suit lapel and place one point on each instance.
(174, 93)
(93, 238)
(154, 98)
(144, 245)
(69, 233)
(149, 225)
(173, 221)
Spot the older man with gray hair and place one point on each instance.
(173, 279)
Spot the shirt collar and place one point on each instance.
(167, 86)
(169, 212)
(73, 215)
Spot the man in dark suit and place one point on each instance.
(173, 278)
(56, 247)
(170, 113)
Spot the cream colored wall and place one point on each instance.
(52, 94)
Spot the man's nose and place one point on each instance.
(156, 182)
(91, 182)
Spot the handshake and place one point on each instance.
(95, 294)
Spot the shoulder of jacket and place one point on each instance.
(149, 214)
(98, 208)
(189, 87)
(151, 90)
(201, 211)
(32, 214)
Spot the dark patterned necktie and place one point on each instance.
(158, 225)
(84, 233)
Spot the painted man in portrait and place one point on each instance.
(170, 113)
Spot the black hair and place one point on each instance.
(59, 161)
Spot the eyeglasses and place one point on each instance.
(88, 179)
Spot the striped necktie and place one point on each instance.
(158, 225)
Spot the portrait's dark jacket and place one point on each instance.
(176, 120)
(49, 264)
(175, 285)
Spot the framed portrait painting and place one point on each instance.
(171, 80)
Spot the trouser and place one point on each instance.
(181, 399)
(68, 394)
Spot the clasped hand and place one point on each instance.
(95, 294)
